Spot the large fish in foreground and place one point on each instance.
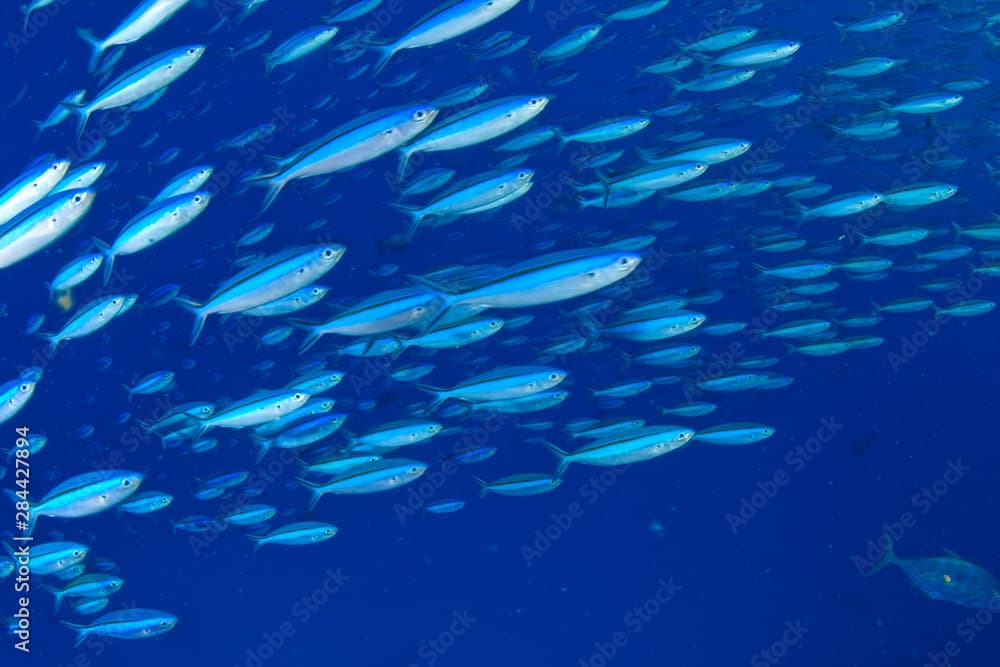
(83, 495)
(546, 279)
(265, 281)
(351, 144)
(144, 80)
(42, 225)
(31, 186)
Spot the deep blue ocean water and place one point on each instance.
(645, 566)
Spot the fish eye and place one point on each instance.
(317, 290)
(328, 253)
(126, 483)
(494, 323)
(414, 469)
(522, 174)
(77, 553)
(419, 115)
(25, 387)
(624, 261)
(535, 101)
(197, 199)
(77, 199)
(591, 274)
(554, 376)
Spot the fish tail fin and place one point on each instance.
(888, 554)
(97, 48)
(626, 360)
(449, 299)
(81, 631)
(605, 184)
(52, 340)
(958, 230)
(559, 454)
(263, 447)
(274, 184)
(258, 542)
(416, 215)
(563, 140)
(404, 161)
(83, 115)
(58, 594)
(483, 490)
(314, 489)
(109, 258)
(676, 86)
(385, 54)
(439, 396)
(199, 313)
(804, 213)
(315, 333)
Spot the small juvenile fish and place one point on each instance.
(295, 534)
(153, 383)
(528, 484)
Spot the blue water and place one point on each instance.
(645, 566)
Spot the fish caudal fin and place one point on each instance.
(109, 259)
(83, 115)
(274, 184)
(385, 54)
(404, 161)
(96, 47)
(888, 555)
(315, 489)
(81, 631)
(440, 396)
(199, 313)
(53, 340)
(416, 215)
(484, 487)
(559, 454)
